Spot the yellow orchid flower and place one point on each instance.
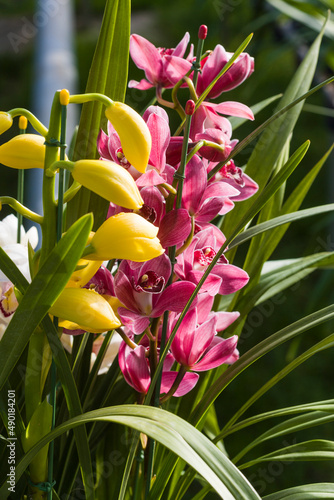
(86, 308)
(6, 121)
(126, 236)
(23, 151)
(109, 180)
(133, 132)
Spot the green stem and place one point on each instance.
(49, 226)
(28, 214)
(93, 96)
(72, 191)
(36, 124)
(59, 165)
(20, 194)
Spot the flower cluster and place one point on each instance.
(159, 232)
(145, 291)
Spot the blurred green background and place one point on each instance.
(282, 33)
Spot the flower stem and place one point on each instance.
(36, 124)
(24, 211)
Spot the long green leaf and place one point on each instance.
(174, 433)
(73, 404)
(42, 293)
(310, 16)
(257, 352)
(279, 221)
(294, 424)
(317, 491)
(324, 406)
(237, 122)
(317, 449)
(274, 137)
(326, 343)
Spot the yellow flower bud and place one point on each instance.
(109, 180)
(6, 121)
(23, 151)
(87, 269)
(85, 308)
(126, 236)
(133, 132)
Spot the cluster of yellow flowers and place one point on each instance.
(123, 236)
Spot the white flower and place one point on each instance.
(18, 252)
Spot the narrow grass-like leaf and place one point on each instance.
(174, 433)
(73, 404)
(42, 293)
(257, 352)
(236, 122)
(324, 406)
(317, 449)
(276, 133)
(306, 13)
(318, 491)
(292, 425)
(326, 343)
(278, 280)
(279, 221)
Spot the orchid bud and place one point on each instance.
(126, 236)
(190, 107)
(86, 308)
(86, 270)
(202, 32)
(109, 180)
(6, 121)
(23, 151)
(133, 132)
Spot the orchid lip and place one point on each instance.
(149, 282)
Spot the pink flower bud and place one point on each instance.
(190, 107)
(202, 32)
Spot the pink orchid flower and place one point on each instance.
(196, 346)
(202, 200)
(233, 175)
(143, 291)
(136, 371)
(163, 67)
(241, 69)
(192, 263)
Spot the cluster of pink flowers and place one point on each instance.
(145, 291)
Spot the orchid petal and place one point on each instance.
(174, 228)
(146, 56)
(173, 298)
(186, 385)
(218, 354)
